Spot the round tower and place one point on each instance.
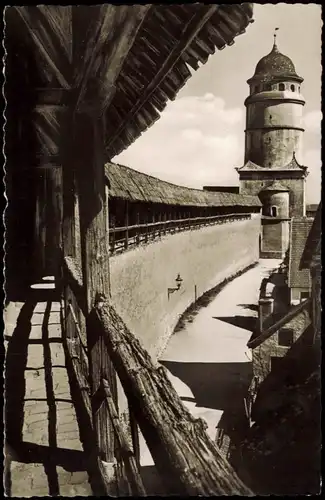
(274, 111)
(275, 200)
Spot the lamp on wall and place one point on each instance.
(179, 281)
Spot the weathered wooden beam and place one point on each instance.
(112, 32)
(95, 260)
(49, 30)
(189, 32)
(185, 456)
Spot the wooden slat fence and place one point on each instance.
(121, 238)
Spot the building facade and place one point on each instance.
(273, 146)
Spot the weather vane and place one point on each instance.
(275, 30)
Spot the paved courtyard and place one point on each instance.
(45, 455)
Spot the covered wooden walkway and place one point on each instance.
(82, 83)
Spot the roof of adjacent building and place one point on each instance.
(275, 65)
(312, 246)
(128, 184)
(266, 334)
(299, 231)
(284, 444)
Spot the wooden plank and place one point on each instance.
(131, 466)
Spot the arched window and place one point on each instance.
(273, 211)
(281, 86)
(293, 88)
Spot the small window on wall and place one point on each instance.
(281, 86)
(273, 211)
(285, 337)
(304, 296)
(293, 88)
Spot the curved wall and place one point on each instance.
(204, 257)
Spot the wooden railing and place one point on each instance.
(121, 238)
(127, 479)
(185, 457)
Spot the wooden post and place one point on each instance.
(113, 234)
(165, 219)
(126, 241)
(147, 229)
(95, 263)
(153, 227)
(138, 229)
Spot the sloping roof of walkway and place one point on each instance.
(128, 184)
(172, 40)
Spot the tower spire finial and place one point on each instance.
(274, 36)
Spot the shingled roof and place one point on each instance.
(128, 184)
(172, 41)
(300, 228)
(313, 241)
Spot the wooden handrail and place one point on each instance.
(182, 451)
(175, 221)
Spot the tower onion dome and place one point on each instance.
(275, 66)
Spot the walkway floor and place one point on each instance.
(208, 361)
(44, 455)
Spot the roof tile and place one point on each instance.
(300, 228)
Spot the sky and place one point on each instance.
(199, 138)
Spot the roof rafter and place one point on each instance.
(197, 21)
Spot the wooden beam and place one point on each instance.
(189, 32)
(48, 28)
(95, 261)
(111, 35)
(184, 455)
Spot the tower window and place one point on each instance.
(293, 88)
(281, 86)
(273, 211)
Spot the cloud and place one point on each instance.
(312, 121)
(195, 142)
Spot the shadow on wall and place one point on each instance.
(214, 385)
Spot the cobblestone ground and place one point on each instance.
(48, 457)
